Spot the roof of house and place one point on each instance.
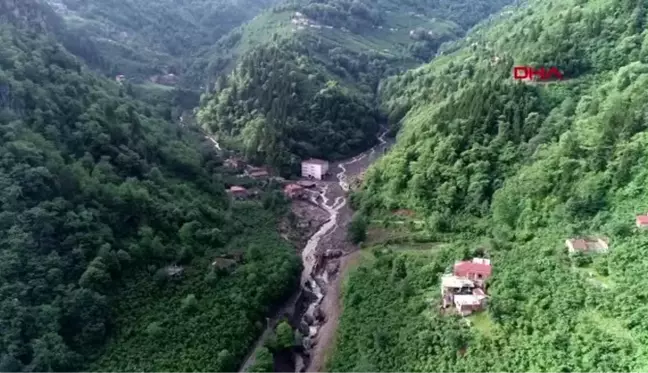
(174, 270)
(237, 188)
(306, 183)
(477, 265)
(223, 263)
(258, 173)
(316, 161)
(292, 188)
(642, 219)
(466, 300)
(455, 282)
(479, 293)
(589, 243)
(578, 244)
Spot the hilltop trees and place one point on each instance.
(515, 168)
(278, 108)
(98, 194)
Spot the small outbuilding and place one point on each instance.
(234, 163)
(173, 270)
(294, 191)
(466, 304)
(257, 172)
(587, 245)
(642, 221)
(238, 192)
(307, 184)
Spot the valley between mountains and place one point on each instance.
(156, 215)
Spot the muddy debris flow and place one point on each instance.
(321, 258)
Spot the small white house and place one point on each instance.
(314, 168)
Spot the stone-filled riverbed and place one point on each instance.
(324, 254)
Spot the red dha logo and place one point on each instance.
(528, 73)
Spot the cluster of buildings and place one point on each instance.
(599, 244)
(464, 290)
(301, 22)
(312, 169)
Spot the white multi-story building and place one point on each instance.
(314, 168)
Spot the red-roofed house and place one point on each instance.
(464, 289)
(477, 270)
(238, 192)
(257, 172)
(233, 162)
(642, 221)
(294, 191)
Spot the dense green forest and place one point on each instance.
(304, 74)
(509, 170)
(100, 194)
(140, 38)
(121, 251)
(273, 103)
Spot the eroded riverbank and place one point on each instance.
(332, 254)
(314, 309)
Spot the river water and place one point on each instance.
(321, 255)
(323, 249)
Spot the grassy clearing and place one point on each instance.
(591, 275)
(377, 235)
(482, 323)
(156, 87)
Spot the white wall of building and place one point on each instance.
(314, 170)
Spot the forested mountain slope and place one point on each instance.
(465, 113)
(305, 72)
(510, 170)
(100, 194)
(140, 38)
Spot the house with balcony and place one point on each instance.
(464, 289)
